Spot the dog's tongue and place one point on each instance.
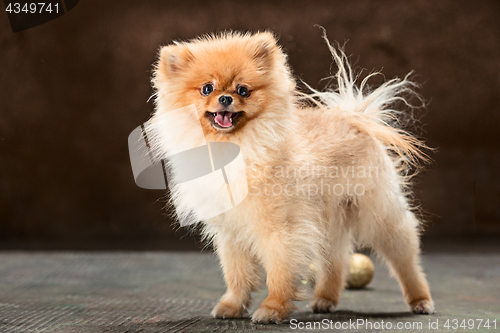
(223, 119)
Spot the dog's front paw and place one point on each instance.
(225, 310)
(322, 305)
(272, 311)
(424, 306)
(266, 315)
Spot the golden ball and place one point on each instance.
(361, 271)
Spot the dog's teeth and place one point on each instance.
(214, 114)
(231, 120)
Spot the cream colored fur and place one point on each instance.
(347, 139)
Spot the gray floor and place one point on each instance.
(174, 292)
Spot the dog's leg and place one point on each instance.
(242, 276)
(280, 262)
(330, 278)
(399, 244)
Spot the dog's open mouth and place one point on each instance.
(224, 119)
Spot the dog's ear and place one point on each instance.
(173, 59)
(264, 48)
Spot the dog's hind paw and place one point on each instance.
(424, 306)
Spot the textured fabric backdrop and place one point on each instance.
(71, 91)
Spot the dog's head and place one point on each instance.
(234, 80)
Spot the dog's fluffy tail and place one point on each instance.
(372, 112)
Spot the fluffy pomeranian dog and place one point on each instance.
(325, 171)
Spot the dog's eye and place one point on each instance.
(207, 89)
(242, 91)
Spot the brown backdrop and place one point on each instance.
(71, 91)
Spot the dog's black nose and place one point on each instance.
(225, 100)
